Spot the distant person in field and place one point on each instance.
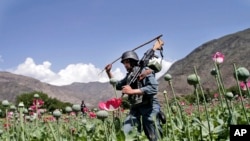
(83, 107)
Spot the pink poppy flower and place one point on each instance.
(218, 57)
(182, 103)
(85, 110)
(110, 105)
(216, 95)
(38, 102)
(10, 114)
(243, 85)
(92, 115)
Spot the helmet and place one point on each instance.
(129, 55)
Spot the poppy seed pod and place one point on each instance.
(174, 109)
(25, 111)
(102, 114)
(68, 109)
(193, 79)
(242, 74)
(168, 77)
(5, 103)
(21, 105)
(76, 107)
(57, 113)
(113, 81)
(213, 72)
(229, 95)
(12, 107)
(36, 95)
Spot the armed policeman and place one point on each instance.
(141, 94)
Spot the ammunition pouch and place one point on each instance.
(139, 100)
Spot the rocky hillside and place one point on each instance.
(12, 85)
(235, 47)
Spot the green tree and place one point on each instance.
(49, 103)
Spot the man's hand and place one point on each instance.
(158, 44)
(108, 67)
(144, 74)
(128, 90)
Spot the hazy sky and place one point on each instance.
(65, 41)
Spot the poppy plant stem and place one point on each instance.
(205, 103)
(53, 132)
(248, 91)
(242, 104)
(169, 115)
(176, 101)
(114, 86)
(21, 122)
(221, 84)
(105, 130)
(198, 106)
(220, 93)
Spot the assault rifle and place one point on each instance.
(145, 61)
(156, 38)
(133, 76)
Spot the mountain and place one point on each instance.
(12, 85)
(235, 47)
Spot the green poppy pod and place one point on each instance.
(21, 105)
(57, 113)
(76, 107)
(242, 74)
(5, 103)
(168, 77)
(229, 95)
(193, 79)
(113, 81)
(28, 118)
(12, 107)
(36, 95)
(213, 72)
(25, 111)
(102, 114)
(174, 109)
(84, 121)
(68, 109)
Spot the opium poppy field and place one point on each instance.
(202, 120)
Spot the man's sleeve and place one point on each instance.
(150, 86)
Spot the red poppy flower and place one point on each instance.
(218, 57)
(110, 105)
(6, 126)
